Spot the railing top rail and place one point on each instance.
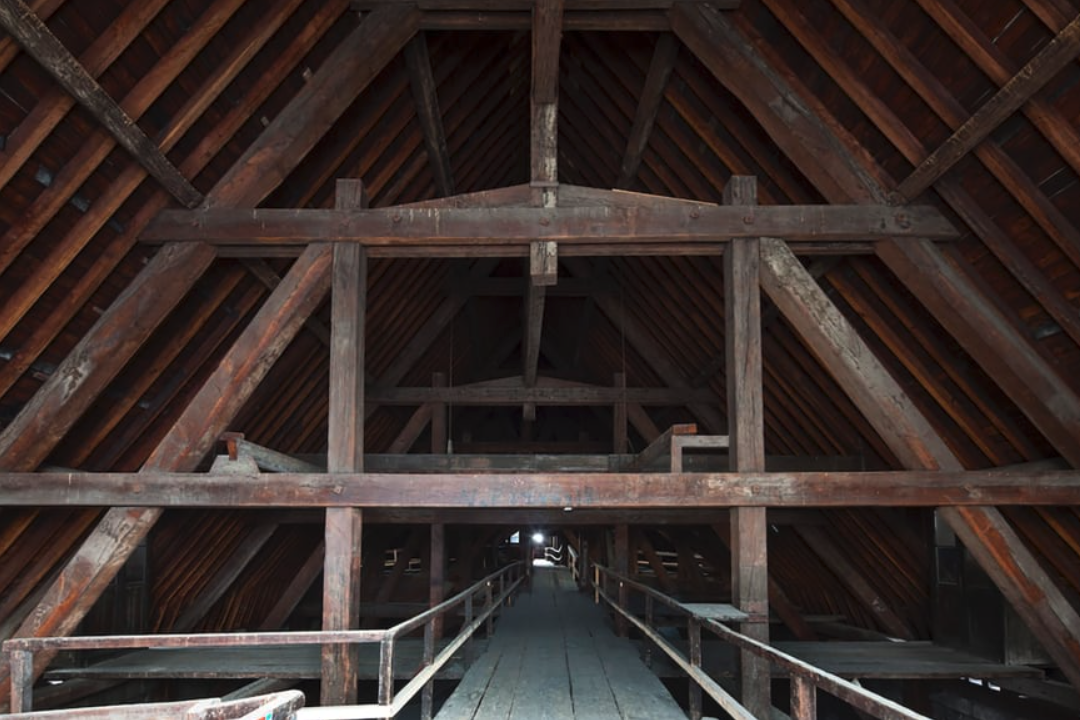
(448, 604)
(176, 640)
(864, 700)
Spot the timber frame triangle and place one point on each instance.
(553, 225)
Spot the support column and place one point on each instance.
(341, 569)
(746, 428)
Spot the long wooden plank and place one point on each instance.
(541, 395)
(510, 226)
(1051, 59)
(39, 41)
(291, 135)
(575, 490)
(746, 429)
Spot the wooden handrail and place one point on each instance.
(21, 650)
(805, 678)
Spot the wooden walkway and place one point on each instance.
(554, 655)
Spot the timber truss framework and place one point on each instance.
(543, 222)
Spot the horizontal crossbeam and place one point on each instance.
(600, 228)
(542, 490)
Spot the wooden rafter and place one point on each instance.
(191, 437)
(39, 41)
(663, 62)
(910, 436)
(427, 110)
(1058, 53)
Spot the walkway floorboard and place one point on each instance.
(554, 655)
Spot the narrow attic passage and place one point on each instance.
(555, 655)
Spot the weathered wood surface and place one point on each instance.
(648, 223)
(554, 655)
(537, 490)
(652, 94)
(422, 81)
(39, 41)
(512, 5)
(1052, 58)
(746, 429)
(541, 395)
(288, 662)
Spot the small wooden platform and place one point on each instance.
(288, 662)
(554, 655)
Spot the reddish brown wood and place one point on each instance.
(341, 603)
(1058, 53)
(652, 223)
(100, 355)
(343, 75)
(621, 565)
(437, 574)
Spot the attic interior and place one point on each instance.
(307, 308)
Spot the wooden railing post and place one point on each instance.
(803, 698)
(22, 680)
(648, 622)
(386, 672)
(468, 622)
(489, 601)
(596, 584)
(427, 696)
(693, 632)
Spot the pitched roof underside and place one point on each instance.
(203, 78)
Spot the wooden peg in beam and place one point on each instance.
(544, 262)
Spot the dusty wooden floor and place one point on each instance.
(554, 655)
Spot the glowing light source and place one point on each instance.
(538, 538)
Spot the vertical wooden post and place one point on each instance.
(746, 428)
(438, 418)
(433, 632)
(621, 442)
(622, 567)
(22, 681)
(693, 630)
(344, 526)
(803, 699)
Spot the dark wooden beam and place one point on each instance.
(541, 395)
(909, 488)
(516, 5)
(1052, 58)
(345, 454)
(100, 355)
(427, 111)
(206, 417)
(653, 223)
(353, 64)
(543, 272)
(746, 430)
(578, 20)
(1014, 569)
(28, 29)
(663, 62)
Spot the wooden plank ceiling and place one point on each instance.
(921, 98)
